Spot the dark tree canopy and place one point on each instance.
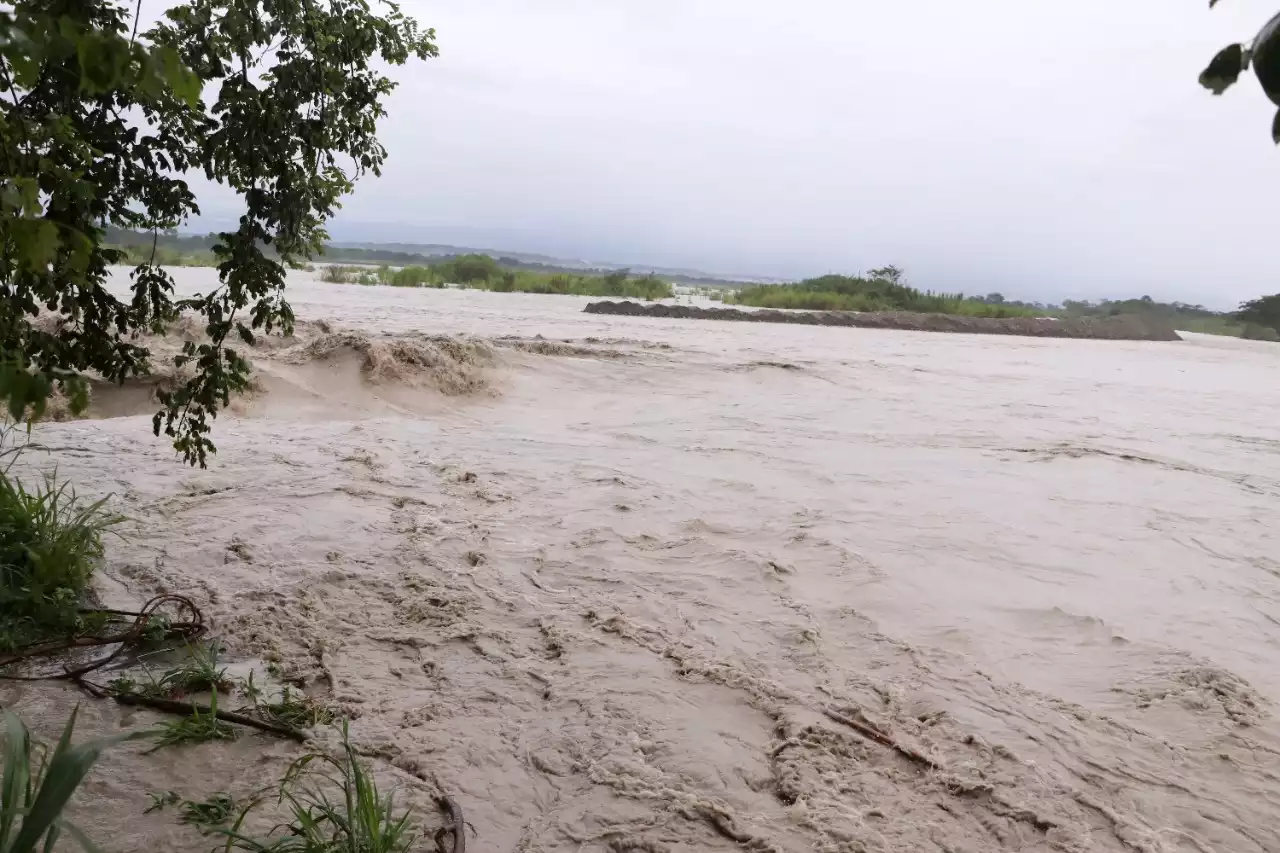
(1262, 54)
(1263, 311)
(100, 125)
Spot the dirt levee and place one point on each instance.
(1124, 328)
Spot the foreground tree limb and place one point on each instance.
(100, 123)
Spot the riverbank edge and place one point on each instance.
(1119, 328)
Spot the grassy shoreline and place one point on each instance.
(879, 290)
(618, 284)
(473, 272)
(884, 290)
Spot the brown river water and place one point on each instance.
(676, 582)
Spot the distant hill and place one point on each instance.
(405, 254)
(348, 250)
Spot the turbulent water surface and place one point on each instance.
(686, 585)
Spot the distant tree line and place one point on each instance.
(883, 289)
(174, 249)
(886, 289)
(481, 272)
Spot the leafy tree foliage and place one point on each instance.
(1262, 54)
(99, 126)
(468, 269)
(1263, 311)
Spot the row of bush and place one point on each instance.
(879, 290)
(482, 272)
(885, 290)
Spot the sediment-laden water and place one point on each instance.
(624, 583)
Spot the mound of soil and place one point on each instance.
(1125, 328)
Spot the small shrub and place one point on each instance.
(296, 711)
(207, 814)
(200, 727)
(335, 274)
(335, 807)
(414, 276)
(50, 544)
(1256, 332)
(198, 674)
(470, 269)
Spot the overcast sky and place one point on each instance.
(1042, 148)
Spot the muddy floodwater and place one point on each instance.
(621, 583)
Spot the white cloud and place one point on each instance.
(1041, 148)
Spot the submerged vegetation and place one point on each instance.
(332, 802)
(50, 544)
(334, 805)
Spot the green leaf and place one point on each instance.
(1275, 128)
(64, 773)
(80, 837)
(1266, 59)
(77, 391)
(37, 241)
(102, 58)
(185, 84)
(17, 775)
(1225, 69)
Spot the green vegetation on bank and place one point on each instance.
(880, 290)
(332, 803)
(1261, 317)
(1182, 316)
(885, 290)
(482, 272)
(50, 544)
(171, 249)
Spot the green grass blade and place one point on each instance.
(80, 837)
(51, 837)
(64, 773)
(17, 775)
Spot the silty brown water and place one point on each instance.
(686, 585)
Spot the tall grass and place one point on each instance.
(50, 544)
(414, 276)
(35, 786)
(335, 274)
(335, 807)
(849, 293)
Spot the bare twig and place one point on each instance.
(458, 826)
(874, 733)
